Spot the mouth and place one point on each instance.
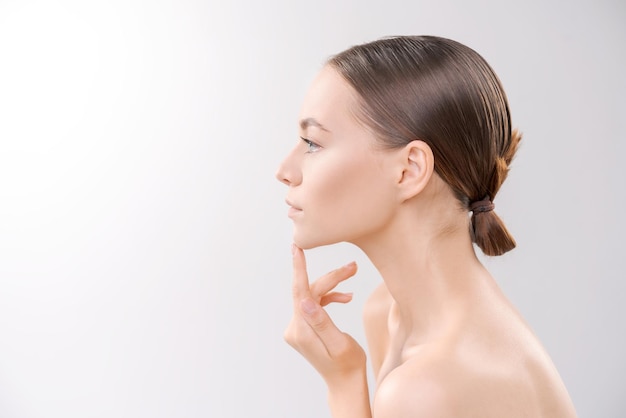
(293, 210)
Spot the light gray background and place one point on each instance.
(144, 244)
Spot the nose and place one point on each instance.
(289, 172)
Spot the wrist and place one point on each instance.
(348, 396)
(347, 379)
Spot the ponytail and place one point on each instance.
(490, 234)
(488, 230)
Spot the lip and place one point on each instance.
(293, 209)
(290, 203)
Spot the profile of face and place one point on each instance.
(341, 183)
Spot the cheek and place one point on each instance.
(347, 197)
(338, 182)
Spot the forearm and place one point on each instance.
(349, 398)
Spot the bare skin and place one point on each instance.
(484, 363)
(443, 339)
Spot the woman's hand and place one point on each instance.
(334, 354)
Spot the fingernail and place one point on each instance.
(350, 264)
(308, 306)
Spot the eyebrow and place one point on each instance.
(305, 123)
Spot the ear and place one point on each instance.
(417, 165)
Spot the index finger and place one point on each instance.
(300, 286)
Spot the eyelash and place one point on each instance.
(313, 147)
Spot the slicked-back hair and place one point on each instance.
(445, 94)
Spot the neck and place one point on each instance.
(431, 272)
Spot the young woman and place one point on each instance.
(401, 139)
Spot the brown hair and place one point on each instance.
(445, 94)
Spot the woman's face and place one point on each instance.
(341, 185)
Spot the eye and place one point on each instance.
(312, 146)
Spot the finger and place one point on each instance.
(300, 336)
(322, 325)
(300, 284)
(335, 297)
(330, 280)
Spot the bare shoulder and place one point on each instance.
(416, 390)
(436, 384)
(375, 317)
(481, 378)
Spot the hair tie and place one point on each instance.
(484, 205)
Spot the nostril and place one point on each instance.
(283, 179)
(280, 176)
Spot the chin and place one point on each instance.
(310, 242)
(305, 244)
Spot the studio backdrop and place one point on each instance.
(144, 245)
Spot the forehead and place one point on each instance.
(330, 100)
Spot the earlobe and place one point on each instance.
(417, 165)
